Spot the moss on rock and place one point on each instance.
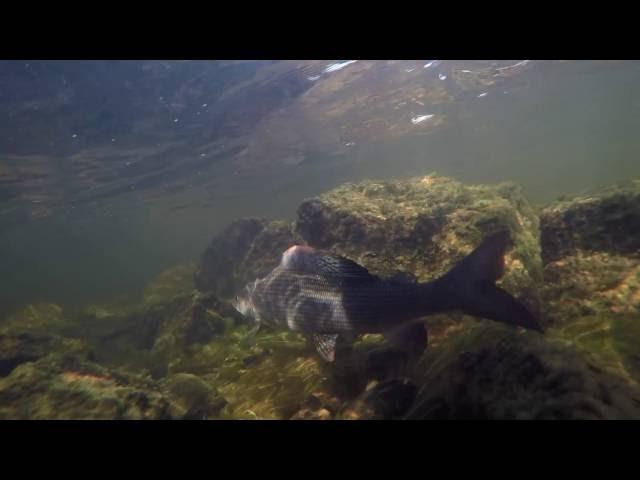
(67, 387)
(489, 371)
(607, 220)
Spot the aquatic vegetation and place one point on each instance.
(18, 348)
(192, 398)
(175, 281)
(489, 371)
(68, 387)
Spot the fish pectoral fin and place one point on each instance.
(326, 345)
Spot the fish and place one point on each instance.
(323, 296)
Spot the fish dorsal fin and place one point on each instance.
(340, 267)
(305, 259)
(326, 345)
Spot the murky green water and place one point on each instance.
(556, 128)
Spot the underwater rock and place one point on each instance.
(175, 281)
(247, 249)
(608, 220)
(591, 283)
(423, 226)
(591, 253)
(149, 336)
(192, 398)
(198, 321)
(489, 371)
(593, 303)
(67, 387)
(35, 317)
(125, 337)
(19, 348)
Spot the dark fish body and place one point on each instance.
(324, 295)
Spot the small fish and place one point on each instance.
(323, 295)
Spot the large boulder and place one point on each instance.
(490, 371)
(247, 249)
(591, 252)
(21, 347)
(67, 387)
(607, 220)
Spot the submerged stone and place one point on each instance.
(64, 387)
(35, 317)
(19, 348)
(493, 372)
(175, 281)
(192, 398)
(608, 220)
(247, 249)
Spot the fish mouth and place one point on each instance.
(243, 302)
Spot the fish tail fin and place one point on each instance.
(470, 286)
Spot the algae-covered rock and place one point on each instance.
(125, 337)
(247, 249)
(424, 226)
(192, 398)
(608, 220)
(175, 281)
(489, 371)
(593, 303)
(66, 387)
(149, 336)
(197, 321)
(591, 283)
(19, 348)
(35, 317)
(591, 251)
